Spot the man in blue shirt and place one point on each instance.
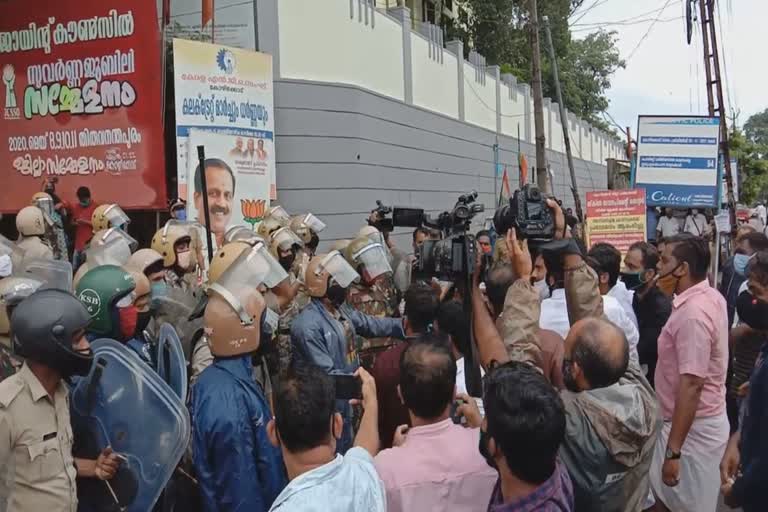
(748, 447)
(237, 467)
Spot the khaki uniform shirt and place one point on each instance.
(36, 439)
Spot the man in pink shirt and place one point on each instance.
(690, 383)
(434, 465)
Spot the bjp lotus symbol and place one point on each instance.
(253, 210)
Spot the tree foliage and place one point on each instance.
(498, 29)
(750, 148)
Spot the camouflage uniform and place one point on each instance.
(379, 300)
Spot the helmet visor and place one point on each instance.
(115, 251)
(55, 274)
(341, 271)
(118, 234)
(242, 234)
(116, 216)
(374, 261)
(314, 223)
(285, 239)
(45, 204)
(19, 289)
(251, 269)
(279, 214)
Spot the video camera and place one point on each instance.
(453, 256)
(382, 223)
(528, 213)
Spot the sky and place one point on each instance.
(666, 76)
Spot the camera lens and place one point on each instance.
(534, 194)
(502, 220)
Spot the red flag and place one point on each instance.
(207, 12)
(523, 165)
(504, 193)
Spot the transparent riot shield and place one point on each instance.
(124, 404)
(171, 364)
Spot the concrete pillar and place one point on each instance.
(457, 48)
(403, 14)
(495, 72)
(528, 135)
(267, 26)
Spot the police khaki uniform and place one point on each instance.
(180, 266)
(31, 225)
(373, 295)
(35, 434)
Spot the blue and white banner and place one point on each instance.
(677, 160)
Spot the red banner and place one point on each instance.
(80, 100)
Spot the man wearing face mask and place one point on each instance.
(735, 268)
(174, 243)
(107, 292)
(696, 223)
(372, 295)
(652, 307)
(237, 467)
(36, 437)
(668, 225)
(142, 295)
(324, 332)
(690, 382)
(747, 448)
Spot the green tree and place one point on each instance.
(753, 165)
(756, 129)
(498, 29)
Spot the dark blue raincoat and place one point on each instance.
(236, 465)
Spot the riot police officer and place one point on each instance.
(13, 290)
(31, 225)
(174, 242)
(236, 466)
(374, 294)
(35, 433)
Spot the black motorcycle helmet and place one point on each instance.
(43, 328)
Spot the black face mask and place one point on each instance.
(632, 280)
(336, 294)
(752, 311)
(287, 261)
(568, 379)
(142, 320)
(482, 447)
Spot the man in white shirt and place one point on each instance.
(606, 261)
(696, 223)
(668, 225)
(762, 212)
(554, 311)
(306, 427)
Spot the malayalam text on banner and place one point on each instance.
(224, 90)
(81, 101)
(616, 217)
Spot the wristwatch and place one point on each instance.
(672, 455)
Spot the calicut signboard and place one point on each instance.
(677, 160)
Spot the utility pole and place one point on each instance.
(712, 69)
(542, 176)
(563, 121)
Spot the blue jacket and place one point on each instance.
(749, 489)
(236, 465)
(319, 338)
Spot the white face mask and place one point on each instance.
(543, 288)
(183, 259)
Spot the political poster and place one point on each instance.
(677, 160)
(81, 101)
(238, 186)
(616, 217)
(224, 90)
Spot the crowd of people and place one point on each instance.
(334, 380)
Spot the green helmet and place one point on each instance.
(99, 290)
